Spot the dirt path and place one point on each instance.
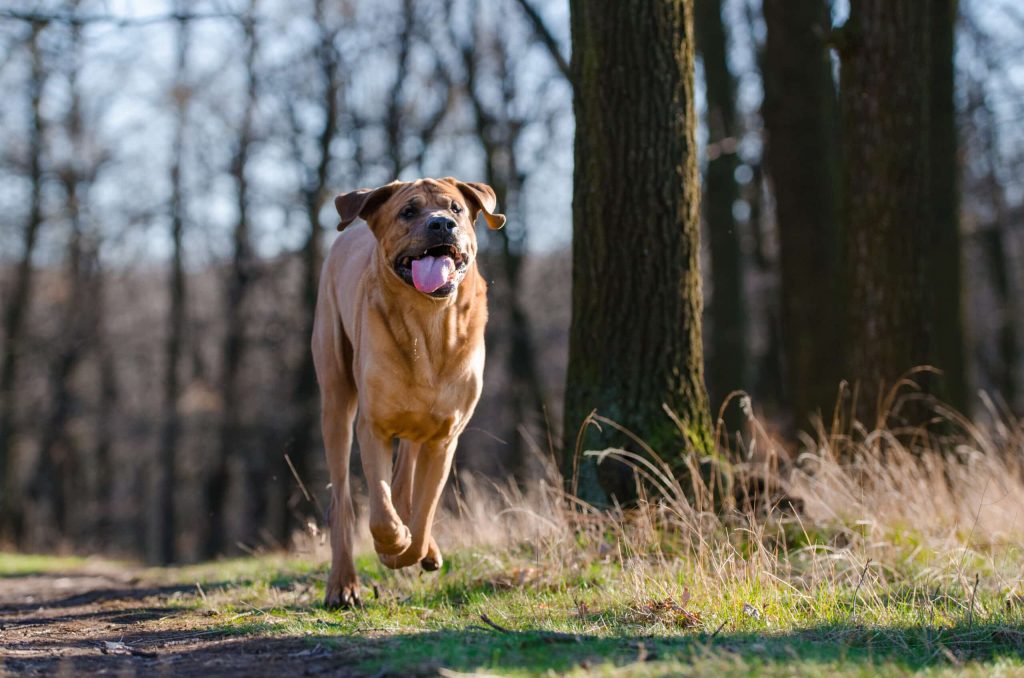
(108, 622)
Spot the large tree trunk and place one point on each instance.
(233, 349)
(635, 338)
(162, 535)
(803, 165)
(17, 304)
(884, 98)
(728, 364)
(944, 264)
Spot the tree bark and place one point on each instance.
(635, 338)
(884, 99)
(803, 165)
(17, 304)
(728, 365)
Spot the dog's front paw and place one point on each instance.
(342, 596)
(391, 539)
(433, 560)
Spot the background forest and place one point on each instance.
(167, 171)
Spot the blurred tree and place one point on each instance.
(236, 291)
(944, 262)
(802, 160)
(728, 366)
(996, 232)
(635, 339)
(498, 129)
(58, 483)
(884, 100)
(16, 305)
(315, 192)
(162, 525)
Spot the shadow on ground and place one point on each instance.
(815, 650)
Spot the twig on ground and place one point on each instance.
(546, 636)
(494, 625)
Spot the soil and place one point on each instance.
(116, 623)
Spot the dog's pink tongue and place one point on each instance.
(431, 273)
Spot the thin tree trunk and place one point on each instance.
(57, 483)
(56, 468)
(234, 347)
(305, 392)
(162, 531)
(635, 338)
(998, 255)
(944, 264)
(884, 98)
(802, 157)
(17, 305)
(498, 136)
(728, 364)
(394, 122)
(105, 472)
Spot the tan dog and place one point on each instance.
(398, 344)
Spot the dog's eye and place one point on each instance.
(409, 212)
(456, 208)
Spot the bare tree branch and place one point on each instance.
(546, 37)
(75, 19)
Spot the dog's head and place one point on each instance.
(424, 228)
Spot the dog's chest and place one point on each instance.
(419, 390)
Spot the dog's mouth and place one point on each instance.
(435, 271)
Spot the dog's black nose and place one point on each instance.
(442, 224)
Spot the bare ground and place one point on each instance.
(107, 622)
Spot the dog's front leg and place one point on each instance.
(429, 475)
(390, 535)
(401, 496)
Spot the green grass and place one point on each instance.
(599, 618)
(19, 564)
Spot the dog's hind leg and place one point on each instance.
(332, 353)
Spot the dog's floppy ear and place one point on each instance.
(482, 198)
(362, 202)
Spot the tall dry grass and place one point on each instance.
(866, 508)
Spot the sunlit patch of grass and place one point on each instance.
(14, 564)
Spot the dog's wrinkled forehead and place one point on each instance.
(425, 193)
